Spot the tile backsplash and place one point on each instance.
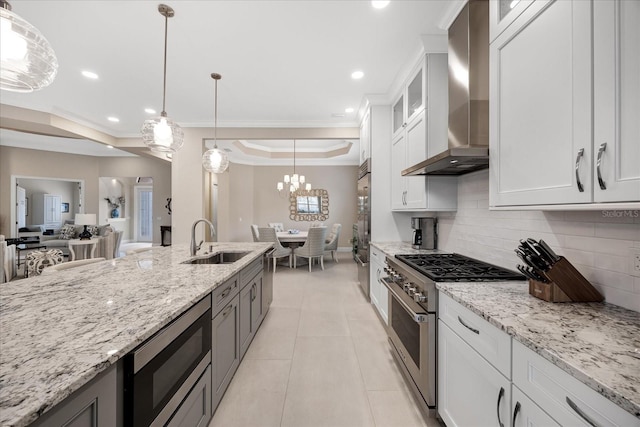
(597, 243)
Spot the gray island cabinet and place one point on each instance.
(65, 336)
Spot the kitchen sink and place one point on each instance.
(217, 258)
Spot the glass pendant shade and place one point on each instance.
(215, 160)
(161, 134)
(27, 60)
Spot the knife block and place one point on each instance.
(567, 285)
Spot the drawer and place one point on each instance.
(492, 343)
(525, 413)
(223, 294)
(377, 254)
(552, 389)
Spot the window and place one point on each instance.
(308, 204)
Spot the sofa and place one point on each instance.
(108, 244)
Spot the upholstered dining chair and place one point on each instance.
(255, 233)
(313, 247)
(278, 226)
(67, 265)
(268, 234)
(331, 242)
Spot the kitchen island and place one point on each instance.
(58, 332)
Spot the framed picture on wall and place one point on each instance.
(64, 207)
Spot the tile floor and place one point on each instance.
(320, 358)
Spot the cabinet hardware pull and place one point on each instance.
(578, 158)
(474, 330)
(579, 411)
(225, 292)
(500, 395)
(515, 414)
(254, 292)
(602, 149)
(227, 310)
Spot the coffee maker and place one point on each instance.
(425, 233)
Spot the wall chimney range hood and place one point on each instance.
(468, 97)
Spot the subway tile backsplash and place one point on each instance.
(596, 242)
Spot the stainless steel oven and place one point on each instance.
(159, 374)
(412, 328)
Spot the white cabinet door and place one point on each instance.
(52, 208)
(525, 413)
(540, 121)
(616, 101)
(378, 292)
(471, 392)
(398, 156)
(416, 142)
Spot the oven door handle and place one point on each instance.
(417, 317)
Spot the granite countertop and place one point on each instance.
(57, 332)
(597, 343)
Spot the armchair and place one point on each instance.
(7, 261)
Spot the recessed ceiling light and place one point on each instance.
(380, 4)
(113, 119)
(337, 115)
(348, 110)
(90, 75)
(149, 111)
(110, 146)
(357, 75)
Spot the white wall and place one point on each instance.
(596, 242)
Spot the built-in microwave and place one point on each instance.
(159, 373)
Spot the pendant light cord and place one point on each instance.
(215, 77)
(164, 83)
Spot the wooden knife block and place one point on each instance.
(567, 285)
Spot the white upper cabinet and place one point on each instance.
(503, 13)
(365, 137)
(616, 95)
(550, 112)
(419, 128)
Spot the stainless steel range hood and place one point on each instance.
(468, 97)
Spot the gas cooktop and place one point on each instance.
(457, 268)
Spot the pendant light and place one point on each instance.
(295, 182)
(27, 60)
(215, 160)
(162, 134)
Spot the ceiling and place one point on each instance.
(283, 63)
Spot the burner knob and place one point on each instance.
(418, 297)
(411, 291)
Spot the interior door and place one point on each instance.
(21, 208)
(144, 213)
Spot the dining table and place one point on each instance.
(286, 238)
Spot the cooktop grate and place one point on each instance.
(457, 268)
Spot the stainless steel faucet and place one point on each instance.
(195, 248)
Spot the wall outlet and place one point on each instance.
(634, 261)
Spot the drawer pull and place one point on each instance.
(515, 413)
(579, 411)
(500, 395)
(227, 311)
(474, 330)
(580, 155)
(225, 293)
(601, 149)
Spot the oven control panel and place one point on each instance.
(411, 288)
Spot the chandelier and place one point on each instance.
(294, 182)
(161, 134)
(215, 160)
(28, 62)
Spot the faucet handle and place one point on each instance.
(199, 245)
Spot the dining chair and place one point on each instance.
(313, 247)
(67, 265)
(268, 234)
(278, 226)
(331, 242)
(255, 233)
